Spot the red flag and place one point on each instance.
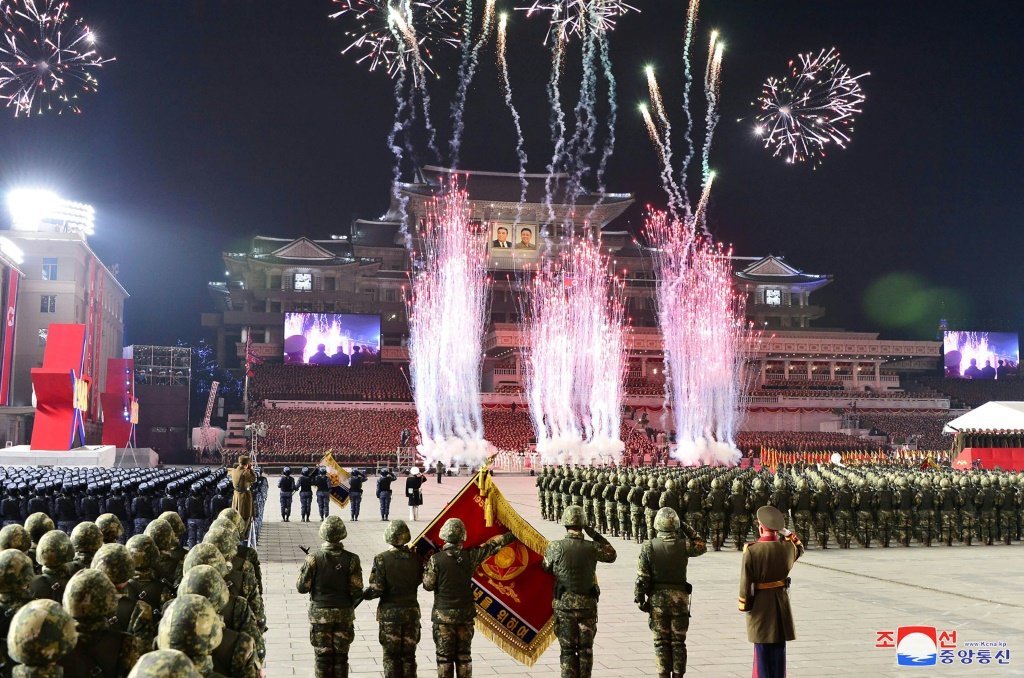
(513, 594)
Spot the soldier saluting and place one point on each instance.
(662, 590)
(764, 591)
(573, 561)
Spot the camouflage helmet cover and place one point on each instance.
(54, 549)
(15, 537)
(397, 533)
(190, 624)
(90, 595)
(206, 581)
(86, 538)
(333, 529)
(162, 534)
(114, 561)
(143, 551)
(177, 524)
(666, 520)
(206, 554)
(111, 527)
(164, 664)
(232, 515)
(574, 516)
(453, 531)
(37, 525)
(16, 571)
(41, 633)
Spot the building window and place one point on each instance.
(49, 268)
(773, 297)
(48, 303)
(390, 294)
(330, 284)
(275, 282)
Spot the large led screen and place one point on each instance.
(343, 339)
(980, 355)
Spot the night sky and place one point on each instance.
(222, 119)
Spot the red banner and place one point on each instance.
(62, 394)
(11, 304)
(513, 594)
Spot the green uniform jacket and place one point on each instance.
(769, 617)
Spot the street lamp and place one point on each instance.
(286, 428)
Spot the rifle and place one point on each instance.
(304, 550)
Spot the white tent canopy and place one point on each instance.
(993, 415)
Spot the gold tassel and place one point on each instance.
(515, 648)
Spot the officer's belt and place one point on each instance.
(782, 583)
(685, 588)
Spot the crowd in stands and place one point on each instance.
(508, 429)
(798, 441)
(802, 385)
(370, 435)
(509, 388)
(923, 429)
(833, 394)
(380, 383)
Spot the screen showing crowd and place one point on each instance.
(980, 355)
(343, 339)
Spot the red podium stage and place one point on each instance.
(1006, 458)
(62, 391)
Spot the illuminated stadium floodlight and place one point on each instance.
(33, 209)
(11, 251)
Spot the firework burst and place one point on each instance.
(580, 17)
(47, 57)
(813, 106)
(388, 34)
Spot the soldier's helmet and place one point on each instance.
(670, 484)
(716, 483)
(90, 595)
(737, 486)
(758, 483)
(54, 549)
(175, 521)
(164, 664)
(453, 531)
(397, 533)
(15, 571)
(333, 530)
(801, 484)
(15, 537)
(41, 633)
(110, 526)
(880, 484)
(304, 471)
(37, 525)
(821, 486)
(287, 470)
(779, 483)
(985, 482)
(574, 516)
(206, 581)
(925, 482)
(944, 483)
(232, 515)
(114, 561)
(143, 551)
(901, 481)
(86, 538)
(190, 624)
(206, 554)
(1004, 482)
(692, 484)
(225, 524)
(162, 534)
(652, 483)
(226, 541)
(623, 478)
(666, 520)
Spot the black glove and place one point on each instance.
(644, 604)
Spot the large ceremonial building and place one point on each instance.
(366, 270)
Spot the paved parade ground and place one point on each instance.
(842, 602)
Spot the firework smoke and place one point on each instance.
(467, 70)
(506, 86)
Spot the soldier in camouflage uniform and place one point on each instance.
(739, 514)
(636, 510)
(178, 551)
(101, 650)
(164, 664)
(946, 501)
(334, 579)
(652, 502)
(802, 502)
(237, 654)
(821, 508)
(542, 498)
(144, 585)
(244, 551)
(1008, 506)
(693, 506)
(670, 497)
(611, 508)
(925, 503)
(865, 501)
(560, 490)
(573, 562)
(716, 505)
(886, 515)
(111, 527)
(86, 540)
(41, 634)
(759, 496)
(15, 574)
(54, 555)
(967, 510)
(622, 506)
(168, 568)
(842, 514)
(449, 575)
(241, 577)
(37, 525)
(394, 578)
(781, 498)
(597, 486)
(987, 501)
(662, 591)
(131, 616)
(191, 625)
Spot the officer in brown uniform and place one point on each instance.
(242, 480)
(764, 591)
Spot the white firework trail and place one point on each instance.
(467, 71)
(506, 85)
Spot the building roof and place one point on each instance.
(775, 270)
(507, 187)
